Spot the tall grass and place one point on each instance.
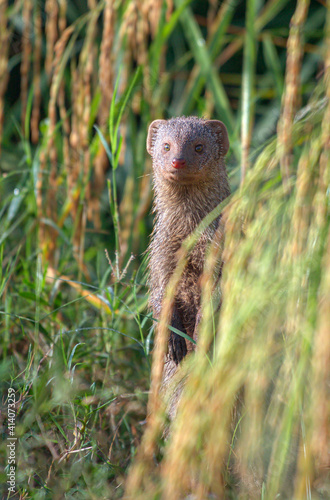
(78, 86)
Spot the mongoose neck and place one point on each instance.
(193, 201)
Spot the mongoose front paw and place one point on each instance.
(177, 347)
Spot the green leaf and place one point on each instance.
(273, 63)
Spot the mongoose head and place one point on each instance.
(187, 150)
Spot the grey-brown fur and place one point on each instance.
(183, 197)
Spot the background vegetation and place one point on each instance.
(79, 84)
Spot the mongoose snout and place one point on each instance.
(178, 163)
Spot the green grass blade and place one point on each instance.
(248, 82)
(202, 56)
(215, 45)
(135, 80)
(273, 63)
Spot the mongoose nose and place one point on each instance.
(178, 162)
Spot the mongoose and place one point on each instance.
(190, 180)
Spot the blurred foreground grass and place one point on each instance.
(79, 85)
(253, 417)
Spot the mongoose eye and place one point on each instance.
(199, 148)
(167, 147)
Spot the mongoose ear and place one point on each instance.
(220, 128)
(153, 127)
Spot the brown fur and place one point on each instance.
(183, 197)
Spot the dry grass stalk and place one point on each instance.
(128, 29)
(321, 361)
(48, 238)
(54, 70)
(306, 174)
(151, 15)
(134, 31)
(61, 93)
(26, 56)
(85, 72)
(35, 115)
(77, 157)
(71, 146)
(154, 13)
(326, 119)
(295, 50)
(66, 128)
(4, 37)
(62, 15)
(140, 20)
(54, 91)
(106, 82)
(73, 172)
(76, 152)
(106, 61)
(134, 28)
(51, 9)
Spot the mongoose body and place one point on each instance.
(190, 180)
